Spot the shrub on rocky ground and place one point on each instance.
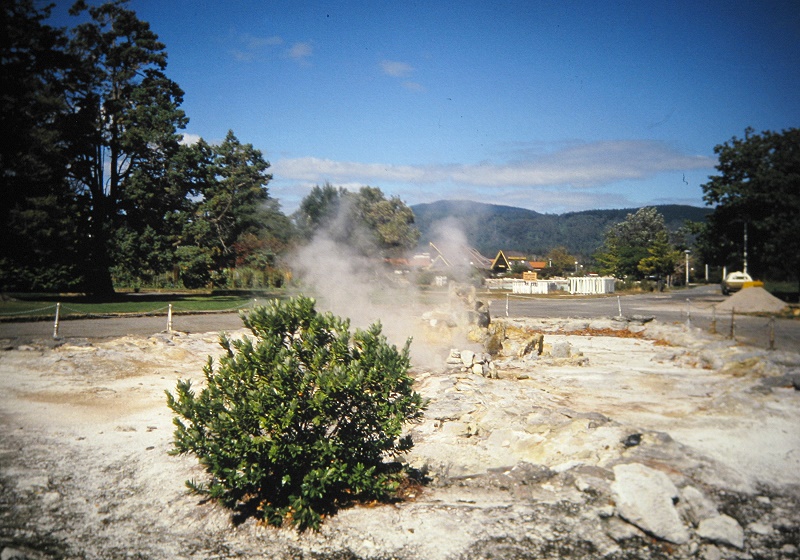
(300, 420)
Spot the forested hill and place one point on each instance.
(491, 227)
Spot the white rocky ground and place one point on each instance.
(656, 442)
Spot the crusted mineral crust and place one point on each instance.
(530, 461)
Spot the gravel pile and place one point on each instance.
(752, 300)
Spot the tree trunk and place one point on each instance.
(98, 269)
(98, 276)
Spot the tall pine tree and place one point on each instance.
(37, 233)
(123, 123)
(232, 207)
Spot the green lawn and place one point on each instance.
(787, 291)
(39, 306)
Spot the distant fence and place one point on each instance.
(767, 331)
(59, 312)
(584, 285)
(538, 286)
(760, 329)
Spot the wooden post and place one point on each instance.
(688, 314)
(169, 318)
(55, 324)
(619, 306)
(772, 333)
(506, 305)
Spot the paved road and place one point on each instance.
(693, 305)
(42, 331)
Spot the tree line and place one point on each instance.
(491, 227)
(98, 186)
(100, 190)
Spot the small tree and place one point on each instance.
(628, 243)
(662, 258)
(365, 221)
(299, 421)
(561, 261)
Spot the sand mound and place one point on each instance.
(752, 300)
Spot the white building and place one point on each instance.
(591, 285)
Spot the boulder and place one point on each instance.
(9, 553)
(722, 529)
(646, 498)
(454, 358)
(467, 358)
(696, 505)
(561, 349)
(494, 344)
(536, 342)
(760, 528)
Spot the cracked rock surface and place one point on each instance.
(642, 441)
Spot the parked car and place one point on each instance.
(734, 282)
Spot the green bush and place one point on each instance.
(425, 277)
(298, 422)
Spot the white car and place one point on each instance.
(734, 281)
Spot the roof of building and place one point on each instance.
(454, 254)
(500, 262)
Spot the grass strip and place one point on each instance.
(31, 307)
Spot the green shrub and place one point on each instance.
(425, 277)
(299, 421)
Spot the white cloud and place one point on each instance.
(254, 43)
(580, 166)
(300, 52)
(396, 69)
(551, 200)
(251, 46)
(243, 56)
(190, 139)
(573, 177)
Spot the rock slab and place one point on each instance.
(722, 529)
(645, 498)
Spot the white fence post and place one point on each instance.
(55, 325)
(169, 318)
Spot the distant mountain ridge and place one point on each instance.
(492, 227)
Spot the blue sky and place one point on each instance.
(552, 106)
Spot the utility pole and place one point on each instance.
(745, 248)
(686, 252)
